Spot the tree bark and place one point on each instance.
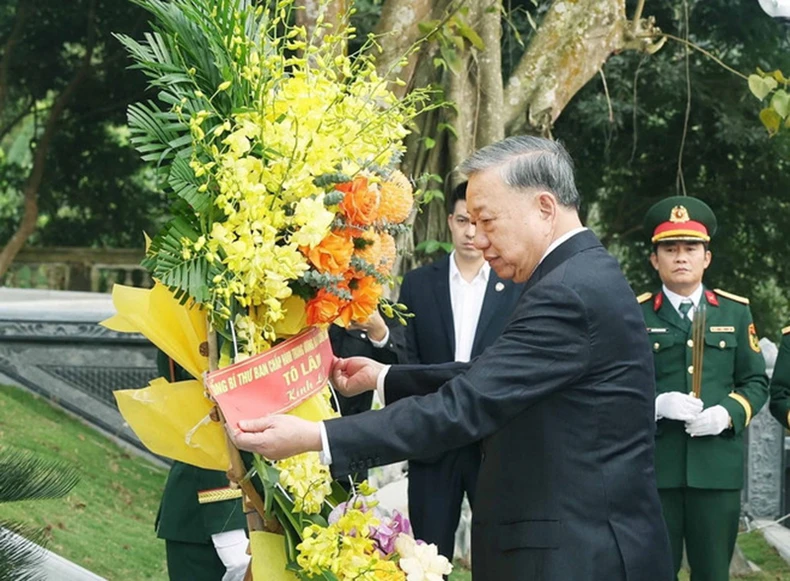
(491, 124)
(571, 45)
(334, 12)
(397, 31)
(30, 214)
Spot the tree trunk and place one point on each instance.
(397, 31)
(334, 12)
(491, 120)
(571, 45)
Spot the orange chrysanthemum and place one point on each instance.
(333, 254)
(388, 253)
(368, 247)
(324, 307)
(397, 198)
(361, 203)
(365, 295)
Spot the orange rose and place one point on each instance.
(361, 203)
(365, 295)
(332, 255)
(323, 308)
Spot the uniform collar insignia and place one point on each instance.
(658, 300)
(711, 297)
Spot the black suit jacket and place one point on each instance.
(430, 334)
(564, 403)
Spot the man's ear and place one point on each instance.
(654, 260)
(547, 204)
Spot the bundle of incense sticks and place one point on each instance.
(697, 349)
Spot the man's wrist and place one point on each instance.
(379, 343)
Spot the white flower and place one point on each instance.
(421, 562)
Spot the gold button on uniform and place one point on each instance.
(722, 344)
(691, 369)
(656, 346)
(690, 343)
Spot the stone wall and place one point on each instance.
(51, 343)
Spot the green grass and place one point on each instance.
(460, 573)
(106, 523)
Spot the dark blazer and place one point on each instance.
(430, 336)
(564, 401)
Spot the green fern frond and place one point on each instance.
(185, 185)
(174, 264)
(27, 477)
(158, 135)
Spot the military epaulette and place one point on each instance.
(731, 296)
(786, 330)
(644, 297)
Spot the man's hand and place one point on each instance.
(277, 437)
(677, 406)
(375, 326)
(711, 422)
(355, 375)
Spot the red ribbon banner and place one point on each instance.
(275, 381)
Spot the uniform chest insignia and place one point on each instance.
(754, 342)
(657, 330)
(722, 329)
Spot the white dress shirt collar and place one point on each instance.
(484, 272)
(676, 299)
(560, 240)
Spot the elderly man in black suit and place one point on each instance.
(563, 400)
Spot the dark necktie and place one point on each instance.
(684, 309)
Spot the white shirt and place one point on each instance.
(676, 299)
(466, 300)
(326, 453)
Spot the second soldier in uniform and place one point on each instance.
(699, 439)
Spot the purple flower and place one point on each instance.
(389, 529)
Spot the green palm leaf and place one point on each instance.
(21, 552)
(27, 477)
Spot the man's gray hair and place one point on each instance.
(528, 163)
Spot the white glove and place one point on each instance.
(675, 405)
(231, 547)
(711, 422)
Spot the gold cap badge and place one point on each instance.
(679, 214)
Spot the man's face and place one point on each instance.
(513, 229)
(463, 232)
(680, 264)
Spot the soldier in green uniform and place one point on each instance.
(200, 517)
(780, 382)
(699, 441)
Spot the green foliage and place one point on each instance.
(774, 85)
(24, 476)
(626, 164)
(106, 522)
(94, 190)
